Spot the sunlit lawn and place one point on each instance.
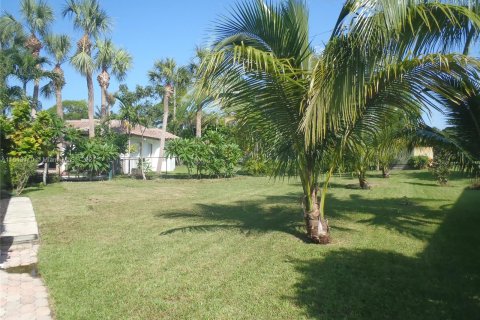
(234, 249)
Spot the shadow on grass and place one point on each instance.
(274, 213)
(402, 214)
(443, 282)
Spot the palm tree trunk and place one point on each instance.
(362, 180)
(142, 163)
(198, 125)
(385, 172)
(104, 103)
(104, 81)
(58, 97)
(315, 223)
(91, 123)
(164, 129)
(36, 87)
(45, 171)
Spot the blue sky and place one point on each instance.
(151, 30)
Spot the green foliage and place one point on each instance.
(144, 165)
(72, 109)
(21, 169)
(27, 138)
(4, 175)
(257, 166)
(213, 154)
(441, 166)
(93, 158)
(418, 162)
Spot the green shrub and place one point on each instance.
(256, 167)
(93, 158)
(4, 176)
(21, 169)
(441, 167)
(419, 162)
(214, 154)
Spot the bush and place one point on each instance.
(256, 167)
(21, 169)
(441, 167)
(93, 159)
(419, 162)
(4, 176)
(214, 153)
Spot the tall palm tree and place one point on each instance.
(306, 105)
(109, 57)
(58, 46)
(168, 79)
(89, 17)
(37, 17)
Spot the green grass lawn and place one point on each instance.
(235, 249)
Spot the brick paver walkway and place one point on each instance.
(22, 295)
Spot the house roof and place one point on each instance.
(118, 126)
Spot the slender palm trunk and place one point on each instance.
(91, 121)
(315, 222)
(45, 171)
(174, 103)
(198, 124)
(36, 87)
(58, 97)
(104, 103)
(104, 81)
(164, 129)
(142, 162)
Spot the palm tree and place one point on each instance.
(460, 139)
(58, 46)
(306, 105)
(109, 57)
(25, 68)
(168, 79)
(93, 21)
(37, 16)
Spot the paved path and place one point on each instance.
(22, 294)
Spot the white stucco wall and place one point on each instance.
(130, 161)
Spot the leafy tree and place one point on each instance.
(306, 105)
(72, 109)
(137, 108)
(92, 21)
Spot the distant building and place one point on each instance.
(151, 145)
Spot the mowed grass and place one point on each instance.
(235, 249)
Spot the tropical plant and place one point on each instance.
(21, 169)
(92, 21)
(305, 105)
(37, 17)
(58, 46)
(214, 154)
(418, 162)
(94, 158)
(441, 165)
(168, 80)
(109, 57)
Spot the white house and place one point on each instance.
(149, 150)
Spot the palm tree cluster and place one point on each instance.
(22, 41)
(316, 108)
